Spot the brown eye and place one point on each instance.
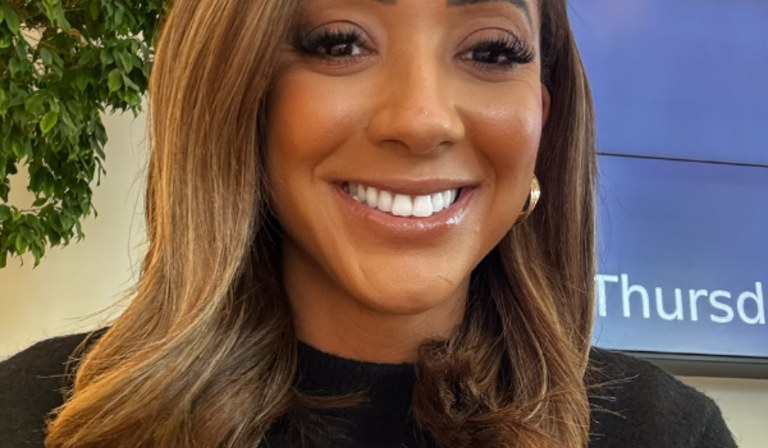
(499, 52)
(332, 44)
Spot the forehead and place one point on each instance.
(522, 4)
(525, 6)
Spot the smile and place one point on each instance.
(403, 205)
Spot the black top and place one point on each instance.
(650, 409)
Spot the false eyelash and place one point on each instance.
(512, 48)
(309, 44)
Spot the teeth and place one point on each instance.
(401, 204)
(385, 201)
(437, 202)
(422, 206)
(352, 190)
(447, 198)
(371, 197)
(361, 193)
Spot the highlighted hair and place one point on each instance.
(205, 354)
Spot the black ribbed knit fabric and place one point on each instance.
(382, 418)
(646, 408)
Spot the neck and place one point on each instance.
(334, 321)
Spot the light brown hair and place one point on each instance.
(205, 354)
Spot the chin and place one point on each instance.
(412, 295)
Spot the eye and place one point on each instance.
(502, 51)
(332, 44)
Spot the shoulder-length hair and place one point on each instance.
(205, 354)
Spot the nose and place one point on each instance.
(416, 108)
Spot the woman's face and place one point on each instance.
(402, 136)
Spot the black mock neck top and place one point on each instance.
(648, 408)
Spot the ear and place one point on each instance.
(545, 103)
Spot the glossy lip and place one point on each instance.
(389, 226)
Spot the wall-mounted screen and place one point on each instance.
(681, 99)
(683, 256)
(678, 79)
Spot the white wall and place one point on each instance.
(91, 275)
(744, 404)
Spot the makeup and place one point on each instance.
(390, 222)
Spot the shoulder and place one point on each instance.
(637, 404)
(31, 385)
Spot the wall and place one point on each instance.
(74, 282)
(744, 404)
(92, 275)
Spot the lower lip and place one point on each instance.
(391, 226)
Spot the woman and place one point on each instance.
(340, 252)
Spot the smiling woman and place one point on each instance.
(379, 108)
(344, 247)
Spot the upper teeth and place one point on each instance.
(402, 204)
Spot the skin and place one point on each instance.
(412, 106)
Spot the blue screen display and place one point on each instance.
(680, 79)
(681, 99)
(683, 257)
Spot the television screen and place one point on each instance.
(681, 101)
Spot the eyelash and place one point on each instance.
(511, 49)
(338, 45)
(343, 46)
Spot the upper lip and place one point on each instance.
(415, 187)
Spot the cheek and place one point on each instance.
(510, 137)
(507, 134)
(308, 119)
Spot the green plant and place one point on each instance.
(62, 62)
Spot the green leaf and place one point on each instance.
(115, 80)
(3, 258)
(18, 149)
(129, 83)
(67, 122)
(3, 105)
(39, 202)
(21, 48)
(130, 97)
(18, 95)
(49, 121)
(26, 232)
(94, 9)
(82, 82)
(126, 61)
(11, 18)
(5, 212)
(14, 65)
(58, 14)
(37, 252)
(34, 104)
(21, 245)
(106, 57)
(86, 56)
(67, 221)
(48, 185)
(45, 55)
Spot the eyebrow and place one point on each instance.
(519, 3)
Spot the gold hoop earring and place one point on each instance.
(533, 199)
